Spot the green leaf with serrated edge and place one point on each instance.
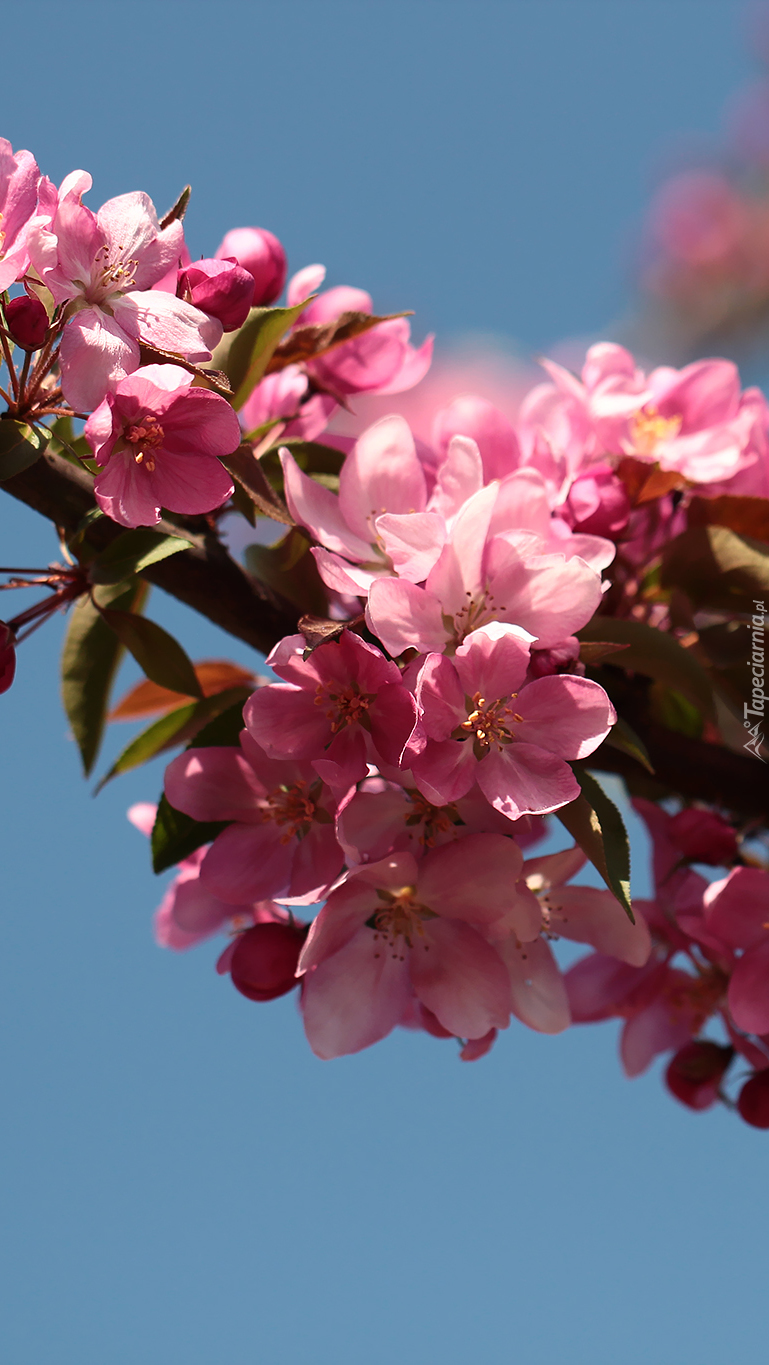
(175, 835)
(290, 570)
(656, 654)
(597, 826)
(20, 446)
(623, 737)
(157, 653)
(176, 727)
(251, 348)
(90, 660)
(133, 551)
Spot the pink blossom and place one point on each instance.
(220, 288)
(281, 840)
(102, 268)
(597, 503)
(381, 360)
(487, 426)
(481, 577)
(261, 254)
(737, 915)
(286, 395)
(399, 927)
(157, 439)
(335, 706)
(19, 177)
(378, 525)
(484, 724)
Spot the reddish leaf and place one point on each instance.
(148, 699)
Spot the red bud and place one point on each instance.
(261, 254)
(753, 1102)
(264, 959)
(696, 1071)
(27, 322)
(7, 656)
(703, 837)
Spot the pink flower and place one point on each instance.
(399, 927)
(381, 360)
(19, 177)
(157, 440)
(383, 818)
(281, 840)
(737, 916)
(482, 577)
(335, 706)
(379, 524)
(484, 725)
(487, 426)
(222, 289)
(286, 395)
(261, 254)
(102, 267)
(597, 503)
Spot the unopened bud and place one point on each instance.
(695, 1073)
(261, 254)
(264, 960)
(7, 656)
(27, 322)
(753, 1101)
(223, 289)
(703, 837)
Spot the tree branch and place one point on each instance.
(204, 577)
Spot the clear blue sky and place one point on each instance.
(183, 1182)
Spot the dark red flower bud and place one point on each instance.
(223, 289)
(261, 254)
(7, 656)
(703, 837)
(263, 962)
(27, 322)
(753, 1102)
(695, 1073)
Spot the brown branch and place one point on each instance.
(206, 578)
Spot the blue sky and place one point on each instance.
(184, 1183)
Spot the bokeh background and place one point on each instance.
(183, 1183)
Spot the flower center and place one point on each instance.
(401, 917)
(292, 807)
(435, 819)
(488, 723)
(146, 435)
(649, 429)
(111, 273)
(346, 706)
(477, 611)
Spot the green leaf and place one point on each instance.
(290, 570)
(223, 729)
(133, 551)
(252, 347)
(675, 711)
(597, 826)
(656, 654)
(175, 835)
(718, 568)
(176, 727)
(20, 446)
(247, 471)
(89, 663)
(178, 210)
(157, 653)
(623, 737)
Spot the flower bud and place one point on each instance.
(7, 656)
(695, 1073)
(27, 322)
(703, 837)
(261, 254)
(221, 288)
(264, 960)
(598, 504)
(753, 1101)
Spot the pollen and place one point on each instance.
(649, 429)
(293, 808)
